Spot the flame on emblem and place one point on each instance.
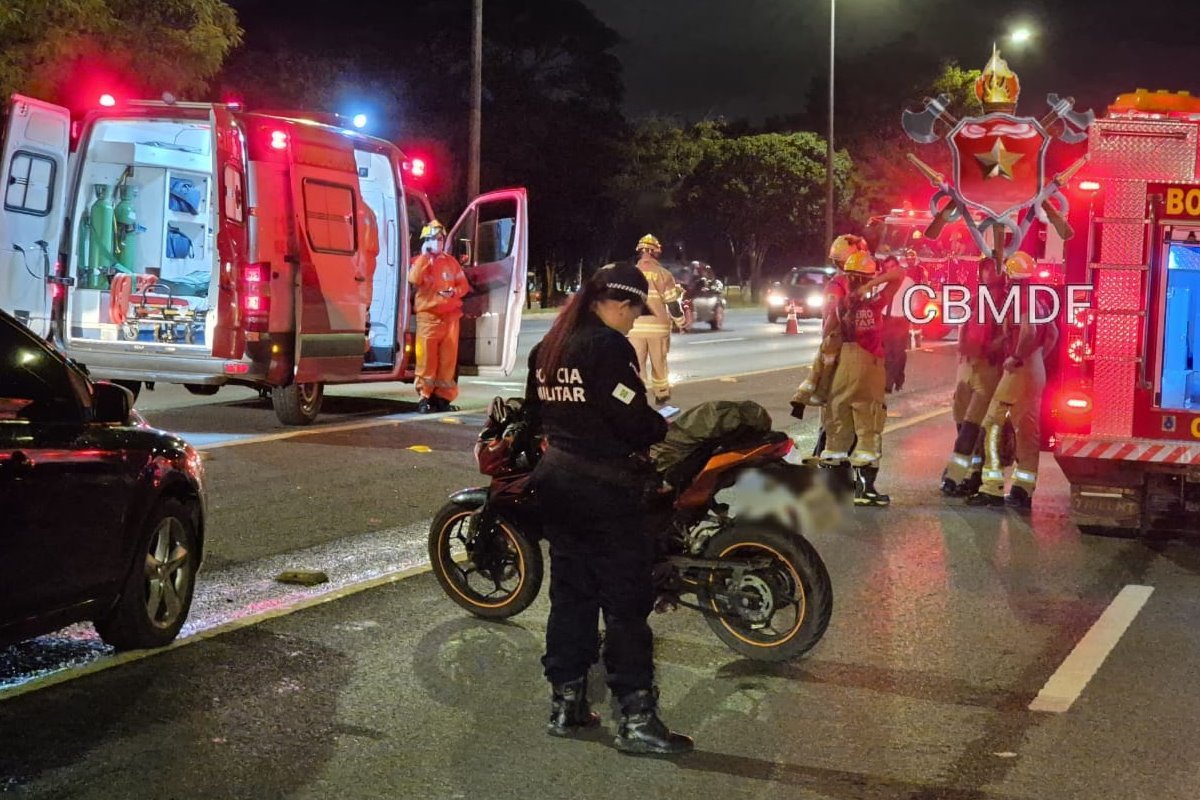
(997, 88)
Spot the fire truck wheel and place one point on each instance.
(297, 403)
(158, 592)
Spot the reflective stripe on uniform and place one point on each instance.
(993, 475)
(829, 455)
(976, 461)
(961, 461)
(1024, 475)
(860, 459)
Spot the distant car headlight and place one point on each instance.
(776, 299)
(815, 300)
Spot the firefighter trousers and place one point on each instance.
(895, 350)
(437, 355)
(601, 563)
(655, 348)
(816, 388)
(973, 391)
(1018, 398)
(856, 408)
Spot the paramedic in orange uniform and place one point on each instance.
(365, 261)
(441, 286)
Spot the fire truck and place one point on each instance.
(205, 245)
(1127, 390)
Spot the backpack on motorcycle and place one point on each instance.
(700, 432)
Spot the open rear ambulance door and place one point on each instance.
(331, 317)
(33, 177)
(491, 241)
(233, 243)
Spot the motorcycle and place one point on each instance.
(760, 585)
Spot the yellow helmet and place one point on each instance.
(433, 230)
(1020, 266)
(861, 262)
(649, 242)
(909, 254)
(844, 245)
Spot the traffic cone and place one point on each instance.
(792, 327)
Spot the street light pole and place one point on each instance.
(476, 100)
(829, 141)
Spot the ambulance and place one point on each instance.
(206, 245)
(1127, 391)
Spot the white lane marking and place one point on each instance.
(1066, 684)
(915, 420)
(715, 341)
(347, 426)
(505, 384)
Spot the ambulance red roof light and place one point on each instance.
(1089, 186)
(279, 140)
(107, 100)
(418, 167)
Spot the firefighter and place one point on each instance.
(594, 483)
(651, 335)
(365, 261)
(441, 286)
(980, 351)
(896, 324)
(814, 390)
(1018, 395)
(857, 406)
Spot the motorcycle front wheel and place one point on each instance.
(786, 606)
(494, 574)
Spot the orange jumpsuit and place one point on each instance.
(440, 285)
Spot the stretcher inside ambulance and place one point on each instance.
(203, 245)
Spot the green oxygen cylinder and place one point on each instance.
(127, 229)
(100, 246)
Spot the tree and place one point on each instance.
(70, 51)
(762, 192)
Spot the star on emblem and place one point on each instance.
(998, 162)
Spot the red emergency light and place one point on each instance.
(256, 297)
(418, 168)
(279, 140)
(1089, 186)
(1077, 403)
(107, 100)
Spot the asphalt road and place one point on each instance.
(949, 624)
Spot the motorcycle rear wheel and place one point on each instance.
(466, 564)
(796, 587)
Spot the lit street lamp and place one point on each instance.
(1021, 35)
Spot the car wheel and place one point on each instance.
(772, 318)
(158, 592)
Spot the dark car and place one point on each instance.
(101, 517)
(703, 294)
(802, 286)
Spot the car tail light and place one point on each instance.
(256, 297)
(236, 368)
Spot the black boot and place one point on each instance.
(1019, 498)
(841, 479)
(642, 732)
(865, 493)
(569, 709)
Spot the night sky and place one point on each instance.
(755, 58)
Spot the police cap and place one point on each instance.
(624, 282)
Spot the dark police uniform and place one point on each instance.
(591, 486)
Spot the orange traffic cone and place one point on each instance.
(792, 327)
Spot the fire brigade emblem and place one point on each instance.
(998, 181)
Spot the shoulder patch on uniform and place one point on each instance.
(624, 393)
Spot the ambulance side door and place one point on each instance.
(491, 241)
(330, 314)
(33, 177)
(233, 238)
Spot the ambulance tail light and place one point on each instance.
(255, 297)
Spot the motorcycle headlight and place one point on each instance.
(776, 299)
(815, 300)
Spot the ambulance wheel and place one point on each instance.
(202, 389)
(297, 403)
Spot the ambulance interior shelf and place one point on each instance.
(1180, 380)
(144, 213)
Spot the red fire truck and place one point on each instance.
(205, 245)
(1127, 390)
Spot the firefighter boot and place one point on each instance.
(840, 479)
(985, 500)
(865, 493)
(971, 485)
(1019, 499)
(569, 709)
(425, 406)
(642, 732)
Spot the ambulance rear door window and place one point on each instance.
(329, 215)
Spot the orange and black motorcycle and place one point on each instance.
(761, 586)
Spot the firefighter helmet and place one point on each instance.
(1020, 266)
(649, 243)
(433, 230)
(844, 245)
(910, 255)
(860, 262)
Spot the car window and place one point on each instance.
(34, 383)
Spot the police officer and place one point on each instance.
(1018, 395)
(980, 351)
(651, 335)
(594, 484)
(858, 406)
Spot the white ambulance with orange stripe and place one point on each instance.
(1127, 391)
(205, 245)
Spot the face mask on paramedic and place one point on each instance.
(433, 245)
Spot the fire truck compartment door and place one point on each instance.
(491, 241)
(233, 243)
(33, 176)
(331, 315)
